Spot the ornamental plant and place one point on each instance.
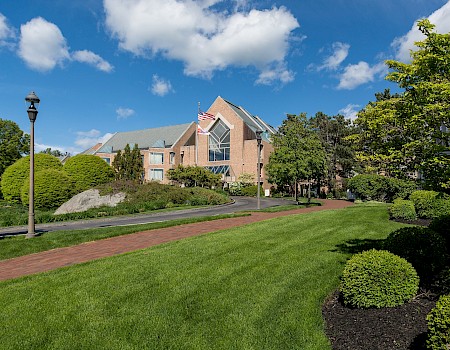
(429, 204)
(403, 209)
(441, 225)
(378, 278)
(16, 174)
(439, 325)
(87, 171)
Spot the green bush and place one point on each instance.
(380, 188)
(441, 225)
(439, 325)
(403, 209)
(51, 189)
(377, 278)
(87, 171)
(430, 204)
(15, 175)
(424, 248)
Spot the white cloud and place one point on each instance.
(204, 40)
(278, 73)
(85, 56)
(160, 86)
(42, 45)
(87, 139)
(350, 111)
(340, 53)
(403, 45)
(6, 32)
(361, 73)
(124, 113)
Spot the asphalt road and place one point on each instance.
(240, 204)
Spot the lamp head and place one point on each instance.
(33, 100)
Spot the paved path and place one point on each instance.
(60, 257)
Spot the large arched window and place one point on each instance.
(219, 142)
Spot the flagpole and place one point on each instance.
(196, 137)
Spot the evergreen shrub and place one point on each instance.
(87, 171)
(378, 278)
(424, 248)
(430, 204)
(439, 325)
(15, 175)
(403, 209)
(441, 225)
(51, 189)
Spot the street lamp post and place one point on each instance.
(258, 171)
(33, 100)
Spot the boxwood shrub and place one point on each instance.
(15, 175)
(424, 248)
(51, 189)
(378, 278)
(439, 325)
(88, 171)
(441, 225)
(403, 209)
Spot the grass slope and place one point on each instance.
(260, 286)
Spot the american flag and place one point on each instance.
(206, 116)
(202, 131)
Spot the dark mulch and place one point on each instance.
(403, 327)
(419, 222)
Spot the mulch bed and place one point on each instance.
(402, 327)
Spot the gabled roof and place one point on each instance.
(162, 137)
(254, 122)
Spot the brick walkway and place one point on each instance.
(60, 257)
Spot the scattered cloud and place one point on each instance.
(278, 73)
(203, 39)
(361, 73)
(7, 32)
(42, 47)
(350, 111)
(160, 86)
(86, 56)
(124, 113)
(402, 45)
(87, 139)
(339, 54)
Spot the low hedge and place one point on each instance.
(439, 325)
(378, 278)
(403, 209)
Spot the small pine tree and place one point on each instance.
(128, 164)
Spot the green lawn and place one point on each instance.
(260, 286)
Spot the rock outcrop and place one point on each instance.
(89, 199)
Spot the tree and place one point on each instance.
(408, 132)
(298, 154)
(54, 152)
(128, 165)
(333, 132)
(191, 176)
(13, 144)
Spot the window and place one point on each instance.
(107, 160)
(172, 158)
(156, 158)
(156, 174)
(219, 142)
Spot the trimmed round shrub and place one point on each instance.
(442, 226)
(380, 188)
(430, 204)
(424, 248)
(439, 325)
(378, 278)
(51, 189)
(87, 171)
(403, 209)
(15, 175)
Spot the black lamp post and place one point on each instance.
(33, 100)
(258, 171)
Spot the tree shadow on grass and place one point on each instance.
(354, 246)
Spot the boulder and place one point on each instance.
(89, 199)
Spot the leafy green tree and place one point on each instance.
(13, 144)
(54, 152)
(298, 154)
(408, 132)
(128, 164)
(191, 176)
(87, 171)
(18, 173)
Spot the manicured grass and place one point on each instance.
(259, 286)
(15, 246)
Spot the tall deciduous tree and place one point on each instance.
(409, 132)
(13, 144)
(298, 154)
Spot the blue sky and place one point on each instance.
(117, 65)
